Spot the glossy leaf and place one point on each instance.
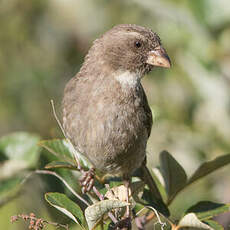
(68, 207)
(64, 150)
(108, 225)
(59, 148)
(138, 207)
(60, 164)
(174, 175)
(207, 209)
(96, 211)
(209, 167)
(152, 196)
(192, 222)
(137, 187)
(21, 147)
(148, 179)
(148, 199)
(159, 179)
(213, 224)
(47, 172)
(82, 159)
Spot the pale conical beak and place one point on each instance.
(159, 57)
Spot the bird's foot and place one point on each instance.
(87, 180)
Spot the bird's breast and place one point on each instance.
(110, 127)
(127, 80)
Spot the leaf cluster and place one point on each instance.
(89, 211)
(174, 181)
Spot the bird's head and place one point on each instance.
(130, 48)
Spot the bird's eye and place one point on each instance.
(137, 44)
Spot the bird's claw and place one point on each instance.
(87, 180)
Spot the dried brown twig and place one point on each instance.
(37, 223)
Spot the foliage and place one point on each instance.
(19, 153)
(111, 198)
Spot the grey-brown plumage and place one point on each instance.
(105, 110)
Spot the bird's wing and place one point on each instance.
(70, 111)
(148, 112)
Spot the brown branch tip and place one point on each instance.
(36, 223)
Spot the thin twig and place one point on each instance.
(37, 223)
(157, 215)
(150, 216)
(162, 224)
(56, 118)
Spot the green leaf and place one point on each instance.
(152, 196)
(192, 222)
(96, 211)
(68, 207)
(60, 164)
(47, 172)
(138, 207)
(213, 224)
(64, 150)
(21, 147)
(137, 187)
(207, 209)
(173, 173)
(107, 225)
(209, 167)
(59, 148)
(158, 178)
(148, 199)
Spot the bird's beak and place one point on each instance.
(159, 57)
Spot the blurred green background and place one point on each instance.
(43, 43)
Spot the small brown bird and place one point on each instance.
(105, 110)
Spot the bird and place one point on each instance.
(106, 114)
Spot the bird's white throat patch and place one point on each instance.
(128, 79)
